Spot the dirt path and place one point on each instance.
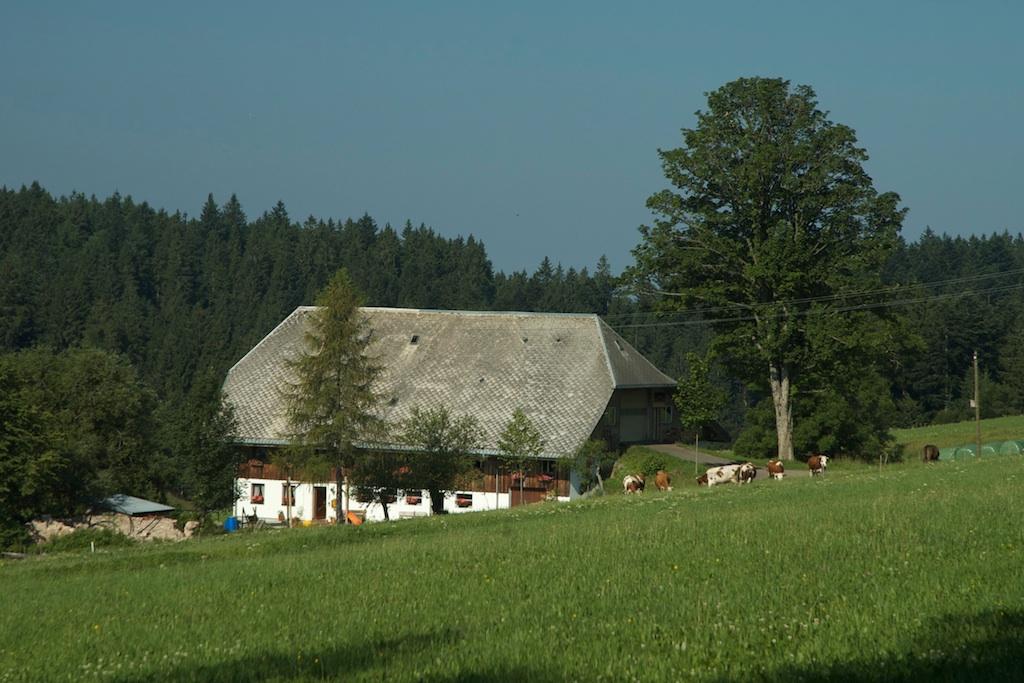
(794, 469)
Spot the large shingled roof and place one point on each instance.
(560, 369)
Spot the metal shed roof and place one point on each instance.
(130, 505)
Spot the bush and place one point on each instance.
(83, 539)
(14, 536)
(639, 460)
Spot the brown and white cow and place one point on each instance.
(663, 481)
(817, 464)
(776, 469)
(730, 474)
(633, 483)
(930, 453)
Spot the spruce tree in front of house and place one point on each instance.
(330, 403)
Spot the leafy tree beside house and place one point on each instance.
(442, 445)
(331, 402)
(772, 227)
(589, 459)
(202, 439)
(520, 443)
(75, 427)
(698, 400)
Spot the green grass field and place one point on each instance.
(911, 574)
(958, 434)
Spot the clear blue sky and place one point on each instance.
(534, 127)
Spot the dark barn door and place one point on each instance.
(319, 502)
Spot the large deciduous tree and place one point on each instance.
(771, 225)
(331, 403)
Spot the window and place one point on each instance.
(284, 494)
(464, 500)
(665, 415)
(413, 496)
(547, 472)
(414, 339)
(256, 495)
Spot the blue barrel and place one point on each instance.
(231, 524)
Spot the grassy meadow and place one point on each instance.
(911, 574)
(958, 434)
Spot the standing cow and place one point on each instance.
(817, 464)
(775, 469)
(663, 481)
(633, 483)
(930, 454)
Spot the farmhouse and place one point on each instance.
(572, 375)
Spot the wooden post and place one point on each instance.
(977, 406)
(696, 450)
(497, 484)
(288, 496)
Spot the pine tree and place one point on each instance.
(331, 401)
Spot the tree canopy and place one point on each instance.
(772, 225)
(443, 443)
(520, 443)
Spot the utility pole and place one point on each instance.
(977, 407)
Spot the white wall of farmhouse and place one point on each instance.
(271, 507)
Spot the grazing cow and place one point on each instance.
(702, 480)
(817, 464)
(724, 474)
(663, 481)
(747, 472)
(633, 483)
(930, 454)
(775, 469)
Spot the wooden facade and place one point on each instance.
(489, 475)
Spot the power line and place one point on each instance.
(843, 309)
(818, 299)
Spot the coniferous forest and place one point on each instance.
(154, 307)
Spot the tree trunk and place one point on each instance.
(288, 497)
(436, 501)
(778, 378)
(348, 497)
(337, 497)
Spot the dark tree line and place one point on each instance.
(181, 296)
(178, 299)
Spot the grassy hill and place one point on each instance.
(958, 434)
(909, 574)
